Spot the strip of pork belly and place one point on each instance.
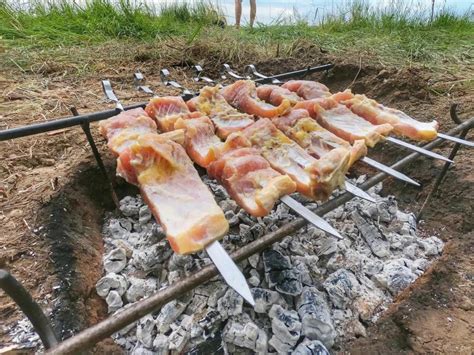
(378, 114)
(166, 110)
(250, 180)
(345, 124)
(316, 140)
(315, 178)
(122, 130)
(275, 95)
(201, 143)
(307, 89)
(243, 96)
(172, 188)
(226, 119)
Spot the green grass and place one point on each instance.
(65, 22)
(393, 35)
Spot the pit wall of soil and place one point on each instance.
(71, 224)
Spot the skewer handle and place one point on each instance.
(250, 69)
(109, 93)
(138, 78)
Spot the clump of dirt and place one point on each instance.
(50, 182)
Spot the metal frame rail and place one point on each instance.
(90, 336)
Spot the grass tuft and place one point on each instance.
(396, 34)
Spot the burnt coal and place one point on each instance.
(312, 292)
(280, 274)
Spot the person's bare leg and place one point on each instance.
(238, 12)
(253, 12)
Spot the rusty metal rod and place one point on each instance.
(86, 127)
(447, 165)
(29, 307)
(88, 337)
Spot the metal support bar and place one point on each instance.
(88, 337)
(87, 131)
(296, 73)
(447, 165)
(29, 307)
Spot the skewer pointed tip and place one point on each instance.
(388, 170)
(456, 140)
(310, 216)
(420, 150)
(358, 192)
(229, 271)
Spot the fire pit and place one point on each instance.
(306, 287)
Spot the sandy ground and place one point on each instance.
(52, 197)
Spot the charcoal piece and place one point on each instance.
(144, 215)
(230, 304)
(179, 262)
(253, 260)
(246, 218)
(140, 288)
(228, 205)
(160, 345)
(110, 282)
(232, 218)
(115, 261)
(118, 228)
(342, 287)
(254, 279)
(280, 274)
(395, 276)
(310, 347)
(146, 331)
(168, 314)
(140, 350)
(152, 258)
(114, 301)
(244, 333)
(210, 322)
(432, 246)
(265, 299)
(286, 328)
(315, 315)
(372, 235)
(178, 339)
(130, 206)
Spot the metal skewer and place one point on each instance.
(138, 78)
(227, 69)
(164, 74)
(200, 77)
(223, 262)
(456, 140)
(358, 192)
(415, 148)
(313, 218)
(389, 171)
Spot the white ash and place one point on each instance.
(312, 292)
